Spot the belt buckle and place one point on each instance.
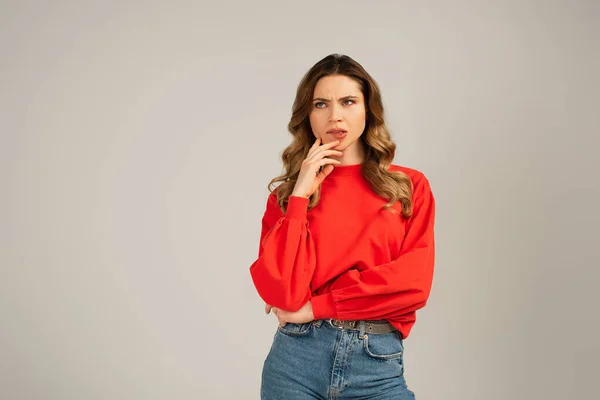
(351, 323)
(335, 326)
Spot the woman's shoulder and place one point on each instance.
(418, 178)
(412, 173)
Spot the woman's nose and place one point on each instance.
(335, 114)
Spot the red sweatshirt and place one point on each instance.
(349, 257)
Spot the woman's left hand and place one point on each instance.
(305, 314)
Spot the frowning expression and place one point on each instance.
(338, 111)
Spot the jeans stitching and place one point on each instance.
(392, 356)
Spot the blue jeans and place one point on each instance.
(316, 360)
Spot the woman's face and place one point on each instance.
(338, 103)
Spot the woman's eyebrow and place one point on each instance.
(341, 98)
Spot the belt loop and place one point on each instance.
(361, 334)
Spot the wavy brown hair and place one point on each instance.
(378, 145)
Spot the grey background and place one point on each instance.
(137, 139)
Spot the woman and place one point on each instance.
(346, 251)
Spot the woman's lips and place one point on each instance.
(339, 135)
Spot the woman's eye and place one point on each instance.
(321, 104)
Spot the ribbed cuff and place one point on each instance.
(297, 207)
(323, 306)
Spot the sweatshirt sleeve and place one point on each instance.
(286, 257)
(392, 289)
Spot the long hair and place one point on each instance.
(379, 147)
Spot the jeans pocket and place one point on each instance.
(292, 329)
(386, 346)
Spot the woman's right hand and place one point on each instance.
(310, 178)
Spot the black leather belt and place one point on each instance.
(375, 327)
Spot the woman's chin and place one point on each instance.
(328, 139)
